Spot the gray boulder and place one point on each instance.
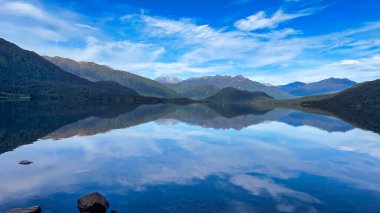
(93, 203)
(33, 209)
(25, 162)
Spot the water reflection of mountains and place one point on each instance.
(25, 122)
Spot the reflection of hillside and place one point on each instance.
(95, 125)
(25, 122)
(141, 114)
(363, 117)
(324, 122)
(234, 110)
(210, 117)
(239, 118)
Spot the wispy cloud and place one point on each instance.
(42, 25)
(261, 21)
(85, 26)
(24, 9)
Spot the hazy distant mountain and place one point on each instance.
(327, 86)
(292, 86)
(238, 82)
(168, 80)
(194, 91)
(233, 95)
(96, 72)
(25, 72)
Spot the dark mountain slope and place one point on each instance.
(20, 66)
(359, 105)
(95, 72)
(366, 94)
(238, 82)
(327, 86)
(25, 72)
(233, 95)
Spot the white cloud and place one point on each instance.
(45, 27)
(185, 29)
(208, 44)
(23, 9)
(261, 21)
(203, 49)
(29, 14)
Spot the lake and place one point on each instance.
(187, 158)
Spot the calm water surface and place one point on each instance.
(165, 158)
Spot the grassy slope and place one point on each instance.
(197, 92)
(233, 95)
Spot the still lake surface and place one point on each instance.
(188, 158)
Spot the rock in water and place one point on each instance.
(25, 162)
(93, 203)
(33, 209)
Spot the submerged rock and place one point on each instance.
(33, 209)
(93, 203)
(25, 162)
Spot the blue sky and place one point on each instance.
(277, 41)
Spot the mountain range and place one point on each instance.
(168, 87)
(327, 86)
(26, 73)
(95, 72)
(291, 90)
(238, 82)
